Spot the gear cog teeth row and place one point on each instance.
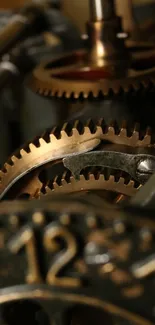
(89, 181)
(140, 83)
(61, 141)
(94, 174)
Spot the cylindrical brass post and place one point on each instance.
(105, 47)
(101, 9)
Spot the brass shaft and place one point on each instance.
(101, 10)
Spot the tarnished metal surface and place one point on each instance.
(79, 263)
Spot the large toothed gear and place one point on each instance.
(74, 80)
(109, 65)
(23, 168)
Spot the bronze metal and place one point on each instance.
(138, 31)
(77, 80)
(93, 182)
(125, 10)
(109, 284)
(109, 64)
(55, 145)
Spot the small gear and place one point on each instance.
(99, 181)
(108, 66)
(57, 144)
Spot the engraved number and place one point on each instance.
(51, 233)
(27, 238)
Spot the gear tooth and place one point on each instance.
(71, 180)
(135, 134)
(101, 176)
(32, 147)
(42, 142)
(63, 134)
(121, 180)
(131, 183)
(22, 152)
(14, 159)
(91, 177)
(6, 166)
(75, 132)
(46, 190)
(147, 140)
(67, 95)
(112, 178)
(135, 137)
(76, 95)
(63, 182)
(111, 130)
(87, 130)
(52, 137)
(123, 132)
(55, 182)
(70, 94)
(55, 185)
(82, 177)
(85, 95)
(137, 127)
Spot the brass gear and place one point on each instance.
(74, 81)
(108, 65)
(92, 181)
(57, 144)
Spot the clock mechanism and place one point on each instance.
(77, 229)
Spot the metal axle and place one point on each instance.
(101, 9)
